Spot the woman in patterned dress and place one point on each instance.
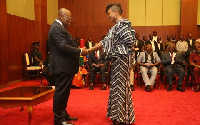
(116, 44)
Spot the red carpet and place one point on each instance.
(155, 108)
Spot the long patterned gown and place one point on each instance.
(117, 43)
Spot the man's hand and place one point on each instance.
(84, 51)
(136, 49)
(96, 65)
(101, 65)
(88, 50)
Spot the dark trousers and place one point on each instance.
(62, 91)
(175, 69)
(49, 78)
(94, 70)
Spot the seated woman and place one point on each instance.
(195, 63)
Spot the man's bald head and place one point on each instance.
(64, 16)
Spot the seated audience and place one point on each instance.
(160, 46)
(153, 43)
(138, 46)
(173, 63)
(97, 62)
(144, 39)
(182, 45)
(195, 63)
(190, 42)
(89, 43)
(155, 36)
(166, 43)
(174, 41)
(148, 61)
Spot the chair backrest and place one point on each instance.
(27, 61)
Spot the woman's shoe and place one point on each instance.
(115, 122)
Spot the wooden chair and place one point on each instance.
(98, 75)
(31, 70)
(139, 76)
(174, 75)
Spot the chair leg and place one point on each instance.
(41, 78)
(25, 75)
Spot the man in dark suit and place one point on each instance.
(191, 43)
(89, 43)
(97, 62)
(64, 63)
(173, 63)
(174, 41)
(160, 46)
(154, 44)
(138, 45)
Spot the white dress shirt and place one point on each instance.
(174, 54)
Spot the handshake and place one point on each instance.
(84, 51)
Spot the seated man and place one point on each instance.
(148, 61)
(97, 62)
(195, 63)
(36, 54)
(173, 63)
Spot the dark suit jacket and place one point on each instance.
(101, 60)
(140, 44)
(156, 47)
(87, 44)
(190, 48)
(166, 60)
(64, 57)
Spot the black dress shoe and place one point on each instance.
(132, 88)
(169, 88)
(69, 118)
(91, 87)
(180, 89)
(147, 88)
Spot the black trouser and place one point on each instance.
(49, 78)
(62, 91)
(94, 70)
(174, 69)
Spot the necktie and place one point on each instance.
(172, 55)
(96, 56)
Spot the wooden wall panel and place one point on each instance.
(162, 31)
(3, 44)
(21, 34)
(89, 17)
(41, 27)
(198, 31)
(189, 17)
